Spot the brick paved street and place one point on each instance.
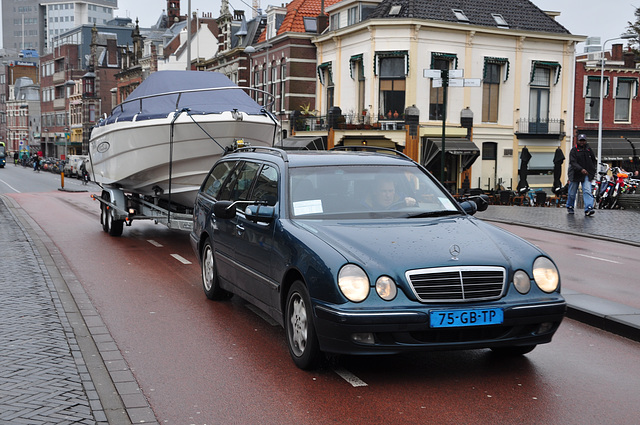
(43, 378)
(623, 225)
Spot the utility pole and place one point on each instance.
(444, 74)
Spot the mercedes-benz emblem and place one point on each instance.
(454, 250)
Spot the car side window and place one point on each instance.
(266, 187)
(217, 177)
(238, 185)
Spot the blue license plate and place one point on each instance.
(470, 317)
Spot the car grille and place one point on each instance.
(457, 284)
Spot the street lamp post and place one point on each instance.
(602, 60)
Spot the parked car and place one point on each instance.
(366, 253)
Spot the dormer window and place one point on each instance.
(275, 16)
(460, 16)
(310, 24)
(395, 10)
(502, 23)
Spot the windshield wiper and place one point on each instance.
(440, 213)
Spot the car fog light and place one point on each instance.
(544, 328)
(363, 338)
(545, 274)
(522, 281)
(386, 288)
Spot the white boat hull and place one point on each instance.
(138, 156)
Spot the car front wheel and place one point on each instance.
(210, 282)
(301, 334)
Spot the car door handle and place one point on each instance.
(240, 229)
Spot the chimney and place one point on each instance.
(629, 59)
(616, 52)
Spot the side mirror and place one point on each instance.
(262, 213)
(224, 209)
(482, 202)
(469, 207)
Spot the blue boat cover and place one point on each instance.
(204, 102)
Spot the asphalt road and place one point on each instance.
(204, 362)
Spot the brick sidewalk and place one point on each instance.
(43, 377)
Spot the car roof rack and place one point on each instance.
(266, 149)
(374, 149)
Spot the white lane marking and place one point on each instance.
(181, 259)
(350, 377)
(11, 187)
(598, 258)
(154, 243)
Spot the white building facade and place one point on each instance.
(517, 81)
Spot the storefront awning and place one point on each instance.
(617, 149)
(463, 147)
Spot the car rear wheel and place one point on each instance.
(513, 351)
(301, 334)
(210, 282)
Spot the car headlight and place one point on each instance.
(545, 274)
(353, 282)
(386, 288)
(522, 281)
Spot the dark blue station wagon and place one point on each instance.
(366, 253)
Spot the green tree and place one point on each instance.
(633, 28)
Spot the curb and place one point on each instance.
(607, 315)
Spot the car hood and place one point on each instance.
(409, 244)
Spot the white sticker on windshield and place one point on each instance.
(447, 204)
(313, 206)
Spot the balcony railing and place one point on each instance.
(550, 128)
(58, 77)
(344, 122)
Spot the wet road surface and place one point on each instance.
(205, 362)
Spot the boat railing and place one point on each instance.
(181, 92)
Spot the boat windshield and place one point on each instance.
(366, 192)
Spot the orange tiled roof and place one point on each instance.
(296, 10)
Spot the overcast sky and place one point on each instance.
(594, 18)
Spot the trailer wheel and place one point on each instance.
(104, 212)
(210, 280)
(109, 225)
(116, 226)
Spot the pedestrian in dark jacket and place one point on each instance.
(582, 169)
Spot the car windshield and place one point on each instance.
(365, 192)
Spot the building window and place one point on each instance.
(88, 86)
(490, 151)
(539, 100)
(436, 98)
(274, 87)
(283, 73)
(496, 70)
(352, 15)
(334, 21)
(392, 87)
(626, 89)
(592, 98)
(491, 92)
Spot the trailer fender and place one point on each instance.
(117, 198)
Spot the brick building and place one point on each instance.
(620, 105)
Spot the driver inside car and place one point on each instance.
(384, 197)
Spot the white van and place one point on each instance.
(72, 167)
